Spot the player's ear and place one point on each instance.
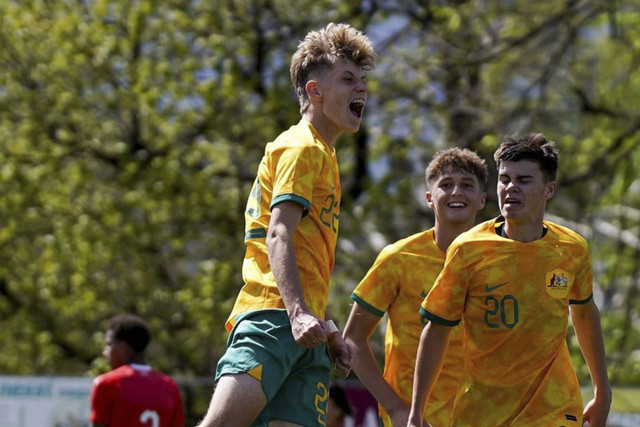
(551, 189)
(313, 91)
(483, 201)
(429, 198)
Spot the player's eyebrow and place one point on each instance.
(352, 74)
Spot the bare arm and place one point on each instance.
(586, 322)
(307, 329)
(431, 350)
(357, 333)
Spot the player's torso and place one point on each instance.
(519, 295)
(516, 318)
(414, 265)
(297, 167)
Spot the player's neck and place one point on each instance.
(524, 232)
(137, 359)
(324, 127)
(445, 234)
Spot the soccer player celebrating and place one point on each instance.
(513, 281)
(398, 281)
(132, 394)
(276, 367)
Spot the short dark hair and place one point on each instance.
(457, 160)
(534, 147)
(131, 329)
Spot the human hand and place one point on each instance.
(307, 330)
(340, 353)
(596, 412)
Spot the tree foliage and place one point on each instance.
(131, 132)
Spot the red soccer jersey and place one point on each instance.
(136, 397)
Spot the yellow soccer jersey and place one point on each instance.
(397, 283)
(300, 167)
(514, 299)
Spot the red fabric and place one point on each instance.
(126, 397)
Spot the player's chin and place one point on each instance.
(353, 122)
(352, 128)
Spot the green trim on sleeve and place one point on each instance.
(256, 233)
(582, 301)
(306, 205)
(437, 319)
(366, 305)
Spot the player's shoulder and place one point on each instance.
(418, 239)
(415, 243)
(300, 136)
(113, 376)
(565, 234)
(478, 234)
(162, 377)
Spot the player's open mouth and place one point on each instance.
(510, 201)
(356, 107)
(457, 205)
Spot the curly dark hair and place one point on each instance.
(131, 329)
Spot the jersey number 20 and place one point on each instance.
(504, 311)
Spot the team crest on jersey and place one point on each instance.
(558, 283)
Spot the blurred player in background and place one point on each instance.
(132, 394)
(397, 283)
(513, 281)
(281, 344)
(339, 409)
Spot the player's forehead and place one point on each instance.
(519, 168)
(456, 175)
(345, 67)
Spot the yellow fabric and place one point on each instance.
(256, 372)
(300, 167)
(514, 299)
(396, 284)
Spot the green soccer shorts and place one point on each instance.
(295, 380)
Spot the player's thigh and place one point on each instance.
(237, 400)
(282, 424)
(261, 345)
(302, 398)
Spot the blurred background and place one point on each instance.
(130, 133)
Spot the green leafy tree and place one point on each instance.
(130, 133)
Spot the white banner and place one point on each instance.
(44, 401)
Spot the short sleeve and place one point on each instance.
(582, 289)
(295, 172)
(379, 288)
(445, 301)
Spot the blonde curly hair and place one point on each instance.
(322, 48)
